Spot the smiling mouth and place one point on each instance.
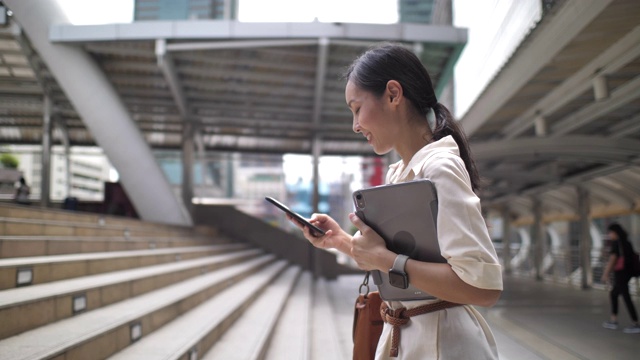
(368, 136)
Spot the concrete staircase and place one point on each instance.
(86, 286)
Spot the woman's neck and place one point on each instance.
(415, 140)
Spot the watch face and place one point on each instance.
(398, 280)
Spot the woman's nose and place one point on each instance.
(356, 126)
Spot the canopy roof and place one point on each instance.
(565, 112)
(263, 87)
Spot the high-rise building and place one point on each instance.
(437, 12)
(184, 9)
(82, 174)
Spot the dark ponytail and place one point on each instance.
(446, 125)
(374, 68)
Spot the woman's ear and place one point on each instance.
(394, 92)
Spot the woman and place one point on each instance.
(390, 95)
(621, 249)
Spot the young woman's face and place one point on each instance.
(371, 118)
(613, 235)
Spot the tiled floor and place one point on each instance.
(535, 320)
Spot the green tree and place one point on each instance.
(9, 161)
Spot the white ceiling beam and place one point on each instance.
(611, 196)
(615, 57)
(626, 127)
(624, 94)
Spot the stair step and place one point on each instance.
(105, 331)
(44, 269)
(326, 337)
(203, 325)
(37, 245)
(291, 335)
(25, 308)
(248, 337)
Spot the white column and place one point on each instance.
(187, 163)
(317, 152)
(537, 237)
(506, 240)
(103, 112)
(45, 181)
(585, 237)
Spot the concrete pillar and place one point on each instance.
(317, 152)
(188, 152)
(506, 240)
(67, 154)
(584, 208)
(538, 238)
(45, 181)
(103, 112)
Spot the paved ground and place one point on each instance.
(535, 321)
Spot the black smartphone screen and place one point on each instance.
(315, 231)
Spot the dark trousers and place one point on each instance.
(621, 287)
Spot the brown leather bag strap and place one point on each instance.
(399, 317)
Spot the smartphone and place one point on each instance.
(314, 230)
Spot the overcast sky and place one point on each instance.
(82, 12)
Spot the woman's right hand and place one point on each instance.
(334, 237)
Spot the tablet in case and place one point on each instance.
(405, 215)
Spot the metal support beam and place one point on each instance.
(45, 181)
(167, 66)
(168, 69)
(585, 237)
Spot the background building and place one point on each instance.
(88, 170)
(184, 9)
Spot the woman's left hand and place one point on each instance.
(368, 248)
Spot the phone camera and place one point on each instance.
(359, 200)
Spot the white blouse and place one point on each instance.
(459, 332)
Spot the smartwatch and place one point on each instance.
(397, 275)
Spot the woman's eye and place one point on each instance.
(357, 111)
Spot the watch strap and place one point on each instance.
(399, 263)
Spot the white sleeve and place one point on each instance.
(462, 231)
